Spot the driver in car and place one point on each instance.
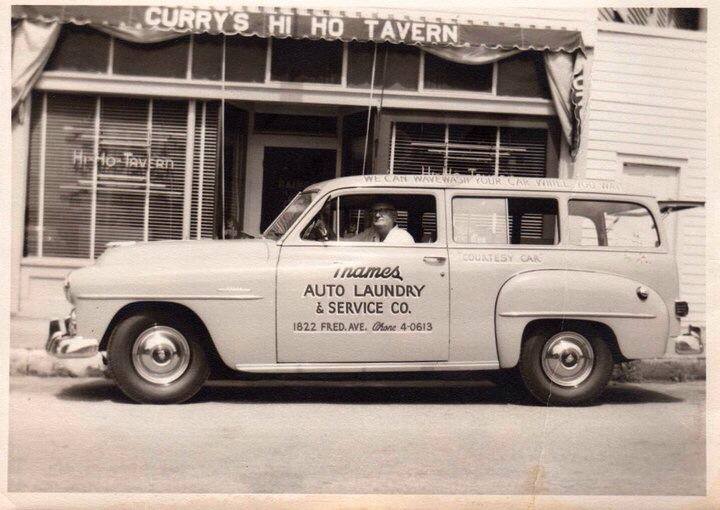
(384, 227)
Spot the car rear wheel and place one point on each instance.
(566, 367)
(156, 358)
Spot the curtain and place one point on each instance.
(32, 44)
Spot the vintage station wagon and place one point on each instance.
(554, 280)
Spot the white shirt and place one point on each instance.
(399, 236)
(396, 235)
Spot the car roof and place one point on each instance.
(485, 182)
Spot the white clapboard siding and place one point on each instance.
(648, 101)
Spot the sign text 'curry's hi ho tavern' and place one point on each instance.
(138, 21)
(174, 18)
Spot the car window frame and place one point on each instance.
(485, 193)
(293, 238)
(649, 205)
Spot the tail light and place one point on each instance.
(681, 308)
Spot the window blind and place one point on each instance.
(205, 155)
(67, 171)
(105, 169)
(419, 148)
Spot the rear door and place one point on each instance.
(493, 235)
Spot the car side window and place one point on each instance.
(610, 223)
(500, 220)
(399, 219)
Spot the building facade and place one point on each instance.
(208, 134)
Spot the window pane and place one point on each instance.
(523, 152)
(32, 202)
(523, 75)
(207, 57)
(164, 59)
(468, 149)
(447, 75)
(205, 165)
(419, 148)
(402, 66)
(306, 61)
(505, 221)
(480, 221)
(80, 48)
(122, 179)
(471, 149)
(68, 175)
(619, 224)
(245, 58)
(167, 169)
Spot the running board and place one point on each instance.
(425, 366)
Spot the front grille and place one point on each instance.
(681, 308)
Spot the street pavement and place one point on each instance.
(357, 436)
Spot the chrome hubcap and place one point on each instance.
(567, 359)
(161, 354)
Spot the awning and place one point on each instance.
(157, 23)
(471, 43)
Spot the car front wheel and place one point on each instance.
(157, 358)
(567, 367)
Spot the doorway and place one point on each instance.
(288, 170)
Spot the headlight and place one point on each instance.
(66, 289)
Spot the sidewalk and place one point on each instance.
(28, 357)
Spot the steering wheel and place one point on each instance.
(319, 230)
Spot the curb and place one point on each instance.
(37, 362)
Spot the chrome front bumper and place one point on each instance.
(62, 341)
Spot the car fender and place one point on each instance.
(641, 326)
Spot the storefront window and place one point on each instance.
(167, 59)
(114, 169)
(245, 58)
(443, 74)
(80, 48)
(422, 148)
(306, 61)
(523, 75)
(396, 65)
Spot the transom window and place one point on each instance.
(399, 67)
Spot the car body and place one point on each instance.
(497, 262)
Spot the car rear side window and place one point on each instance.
(496, 220)
(609, 223)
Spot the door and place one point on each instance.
(341, 299)
(288, 170)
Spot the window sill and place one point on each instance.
(55, 262)
(289, 91)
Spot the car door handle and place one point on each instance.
(436, 261)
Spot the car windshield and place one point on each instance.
(288, 216)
